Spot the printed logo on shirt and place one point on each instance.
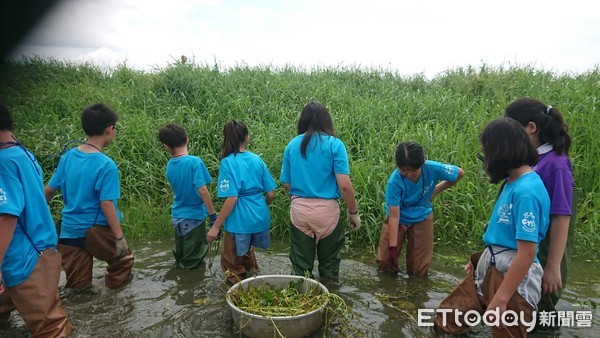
(449, 169)
(3, 197)
(528, 221)
(224, 185)
(504, 213)
(426, 189)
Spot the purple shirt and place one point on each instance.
(557, 174)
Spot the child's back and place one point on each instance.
(186, 174)
(85, 179)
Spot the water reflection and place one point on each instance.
(162, 301)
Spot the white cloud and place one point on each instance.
(427, 36)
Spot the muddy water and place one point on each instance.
(162, 301)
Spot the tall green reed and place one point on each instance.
(373, 111)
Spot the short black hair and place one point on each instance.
(506, 146)
(172, 135)
(96, 118)
(410, 154)
(6, 120)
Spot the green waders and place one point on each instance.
(302, 252)
(191, 249)
(549, 300)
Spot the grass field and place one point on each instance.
(372, 111)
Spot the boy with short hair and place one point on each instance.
(91, 222)
(188, 178)
(28, 257)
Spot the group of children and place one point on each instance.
(528, 149)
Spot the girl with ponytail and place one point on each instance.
(248, 188)
(547, 131)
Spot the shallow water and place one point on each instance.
(163, 301)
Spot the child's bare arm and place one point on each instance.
(515, 274)
(49, 193)
(393, 221)
(269, 196)
(205, 196)
(559, 231)
(228, 206)
(110, 212)
(345, 185)
(443, 185)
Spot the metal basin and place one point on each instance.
(253, 325)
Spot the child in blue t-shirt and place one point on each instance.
(191, 203)
(91, 220)
(248, 188)
(408, 204)
(507, 275)
(30, 264)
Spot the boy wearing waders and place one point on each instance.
(30, 262)
(315, 173)
(91, 222)
(507, 275)
(188, 178)
(248, 188)
(409, 194)
(547, 131)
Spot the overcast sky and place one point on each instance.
(425, 36)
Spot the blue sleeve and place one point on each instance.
(12, 200)
(268, 182)
(445, 172)
(285, 166)
(227, 185)
(393, 191)
(108, 183)
(526, 213)
(340, 158)
(201, 175)
(56, 180)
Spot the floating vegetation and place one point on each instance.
(201, 301)
(407, 308)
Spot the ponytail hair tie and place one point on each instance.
(548, 110)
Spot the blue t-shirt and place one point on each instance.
(522, 212)
(22, 195)
(414, 198)
(85, 180)
(246, 176)
(314, 176)
(187, 174)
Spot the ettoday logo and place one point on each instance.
(507, 318)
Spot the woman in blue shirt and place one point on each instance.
(248, 188)
(315, 173)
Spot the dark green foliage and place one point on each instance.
(372, 110)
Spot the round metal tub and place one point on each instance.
(253, 325)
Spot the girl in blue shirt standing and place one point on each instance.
(408, 205)
(315, 173)
(248, 188)
(507, 275)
